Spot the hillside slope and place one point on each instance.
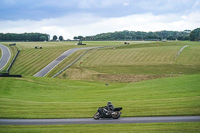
(137, 62)
(34, 97)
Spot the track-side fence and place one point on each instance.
(11, 64)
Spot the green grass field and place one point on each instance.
(155, 58)
(31, 60)
(37, 97)
(137, 62)
(34, 97)
(192, 127)
(145, 79)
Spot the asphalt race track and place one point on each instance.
(5, 56)
(100, 121)
(54, 63)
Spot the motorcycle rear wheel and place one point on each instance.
(116, 115)
(96, 116)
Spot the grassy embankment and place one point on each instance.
(31, 60)
(54, 98)
(34, 97)
(133, 62)
(137, 62)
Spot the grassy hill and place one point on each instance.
(81, 89)
(34, 97)
(124, 63)
(137, 62)
(31, 60)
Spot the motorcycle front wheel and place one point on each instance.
(116, 115)
(96, 116)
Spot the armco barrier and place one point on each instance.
(8, 75)
(11, 64)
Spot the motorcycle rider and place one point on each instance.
(108, 112)
(109, 108)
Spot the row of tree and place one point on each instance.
(55, 38)
(195, 35)
(118, 35)
(24, 37)
(139, 35)
(28, 37)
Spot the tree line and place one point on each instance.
(55, 38)
(117, 35)
(139, 35)
(193, 35)
(24, 37)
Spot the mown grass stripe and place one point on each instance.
(34, 57)
(148, 59)
(145, 55)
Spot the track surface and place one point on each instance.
(5, 56)
(54, 63)
(100, 121)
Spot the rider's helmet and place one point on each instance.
(109, 103)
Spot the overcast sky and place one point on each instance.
(71, 18)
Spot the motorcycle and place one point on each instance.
(103, 113)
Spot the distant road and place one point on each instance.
(180, 51)
(100, 121)
(5, 56)
(54, 63)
